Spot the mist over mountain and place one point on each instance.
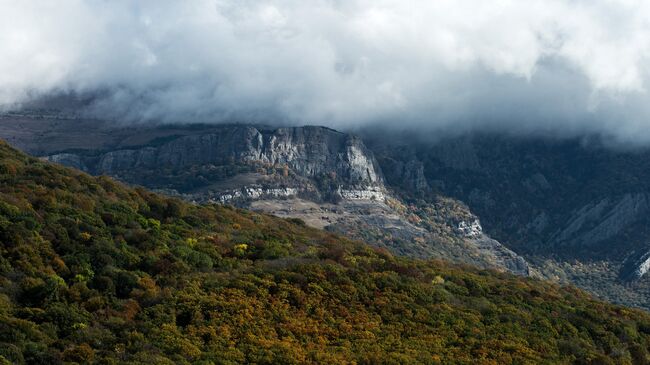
(324, 182)
(560, 67)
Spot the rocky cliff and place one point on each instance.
(600, 221)
(306, 151)
(327, 178)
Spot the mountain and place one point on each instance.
(568, 210)
(95, 272)
(326, 178)
(575, 208)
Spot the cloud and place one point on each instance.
(551, 66)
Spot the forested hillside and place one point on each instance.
(92, 271)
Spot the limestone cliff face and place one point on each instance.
(307, 151)
(315, 150)
(241, 144)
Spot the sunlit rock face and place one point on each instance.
(636, 268)
(470, 229)
(253, 193)
(306, 151)
(370, 193)
(315, 150)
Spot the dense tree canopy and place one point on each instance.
(92, 271)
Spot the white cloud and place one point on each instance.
(557, 66)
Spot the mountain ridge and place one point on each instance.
(573, 208)
(94, 271)
(292, 168)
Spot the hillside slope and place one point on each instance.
(575, 208)
(93, 271)
(327, 178)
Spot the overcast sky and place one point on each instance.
(556, 66)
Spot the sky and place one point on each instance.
(560, 67)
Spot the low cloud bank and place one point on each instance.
(564, 67)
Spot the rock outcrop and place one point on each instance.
(471, 229)
(307, 151)
(254, 193)
(635, 268)
(603, 220)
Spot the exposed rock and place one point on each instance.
(380, 224)
(603, 220)
(254, 193)
(634, 269)
(307, 151)
(371, 193)
(472, 229)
